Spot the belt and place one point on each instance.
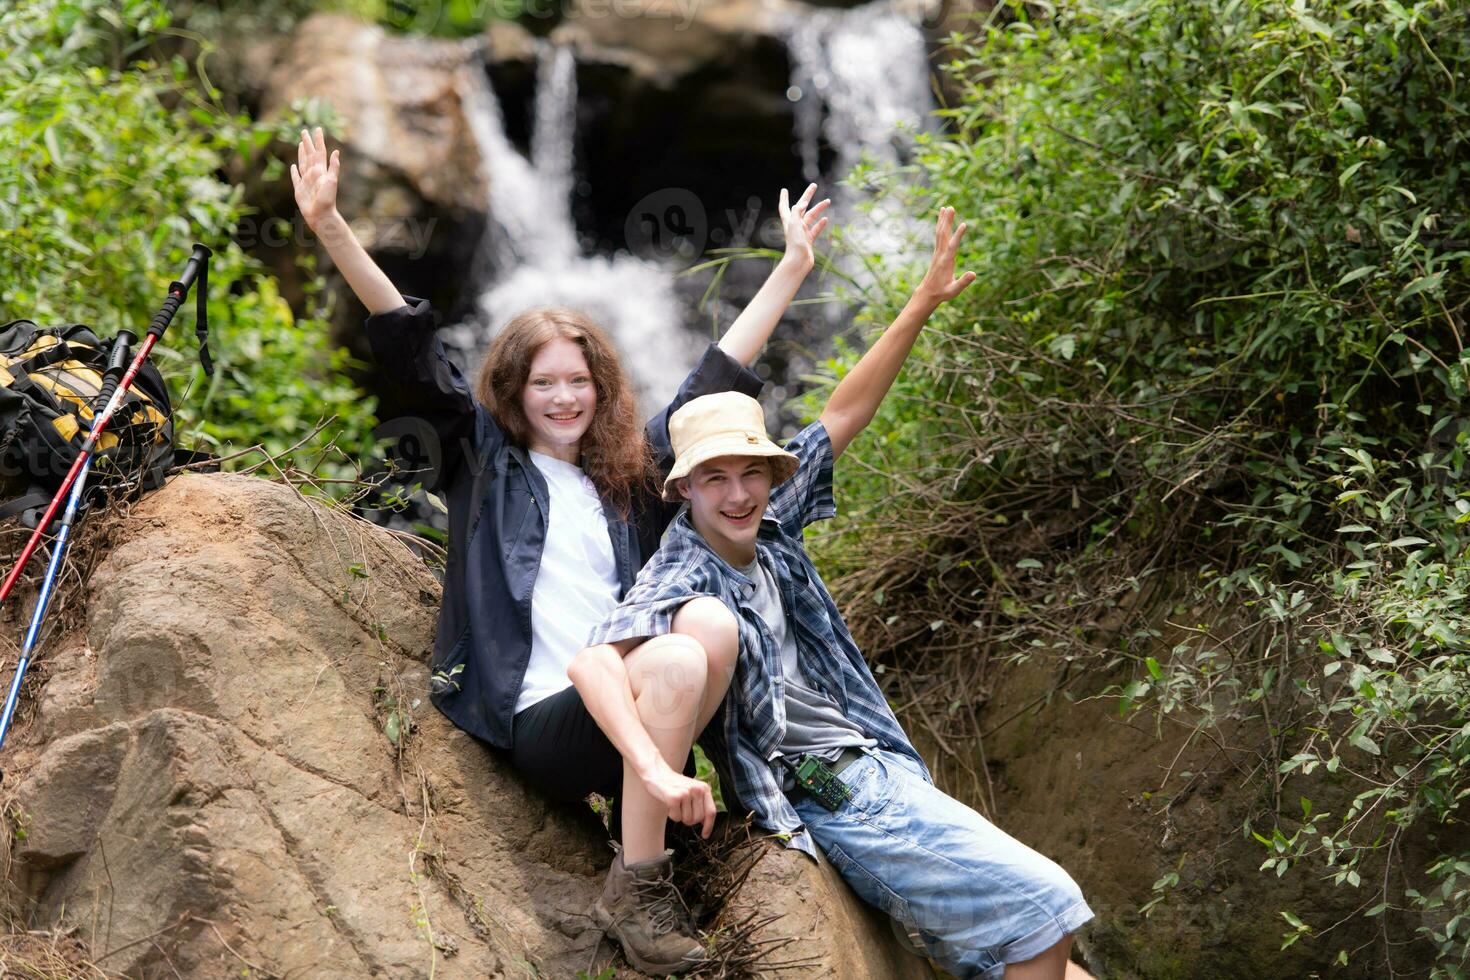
(849, 755)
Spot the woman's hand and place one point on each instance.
(314, 178)
(801, 226)
(689, 801)
(939, 284)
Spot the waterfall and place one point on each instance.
(860, 81)
(533, 241)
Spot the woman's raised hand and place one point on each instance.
(801, 224)
(314, 178)
(939, 284)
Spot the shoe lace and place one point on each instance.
(663, 903)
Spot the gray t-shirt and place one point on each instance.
(814, 722)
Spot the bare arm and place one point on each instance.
(752, 328)
(858, 395)
(314, 178)
(600, 675)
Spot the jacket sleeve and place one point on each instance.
(715, 372)
(425, 403)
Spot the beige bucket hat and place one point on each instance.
(725, 424)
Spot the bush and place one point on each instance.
(110, 173)
(1213, 366)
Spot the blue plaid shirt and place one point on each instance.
(743, 737)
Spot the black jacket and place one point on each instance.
(498, 502)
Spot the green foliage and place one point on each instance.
(110, 173)
(438, 18)
(1209, 392)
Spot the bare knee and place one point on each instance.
(710, 621)
(591, 661)
(672, 669)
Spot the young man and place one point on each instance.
(804, 709)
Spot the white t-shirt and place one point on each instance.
(577, 585)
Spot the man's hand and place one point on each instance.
(801, 226)
(689, 800)
(939, 284)
(857, 396)
(314, 178)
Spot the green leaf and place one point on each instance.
(1420, 284)
(1366, 744)
(53, 147)
(1131, 693)
(1342, 180)
(1360, 272)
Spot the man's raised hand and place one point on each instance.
(801, 225)
(939, 284)
(314, 178)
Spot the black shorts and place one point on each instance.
(557, 747)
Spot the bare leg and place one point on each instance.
(654, 701)
(713, 625)
(1049, 965)
(667, 675)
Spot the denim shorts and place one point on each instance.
(976, 897)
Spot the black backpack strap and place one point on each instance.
(197, 460)
(59, 351)
(35, 500)
(16, 336)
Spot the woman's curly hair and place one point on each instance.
(615, 454)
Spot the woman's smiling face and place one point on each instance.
(559, 399)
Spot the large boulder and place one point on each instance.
(232, 766)
(665, 41)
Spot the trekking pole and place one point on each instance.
(177, 290)
(58, 551)
(115, 384)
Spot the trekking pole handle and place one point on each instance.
(117, 366)
(177, 290)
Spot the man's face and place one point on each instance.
(727, 497)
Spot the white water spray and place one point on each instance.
(860, 81)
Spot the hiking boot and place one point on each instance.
(643, 911)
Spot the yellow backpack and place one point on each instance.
(49, 380)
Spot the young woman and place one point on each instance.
(553, 497)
